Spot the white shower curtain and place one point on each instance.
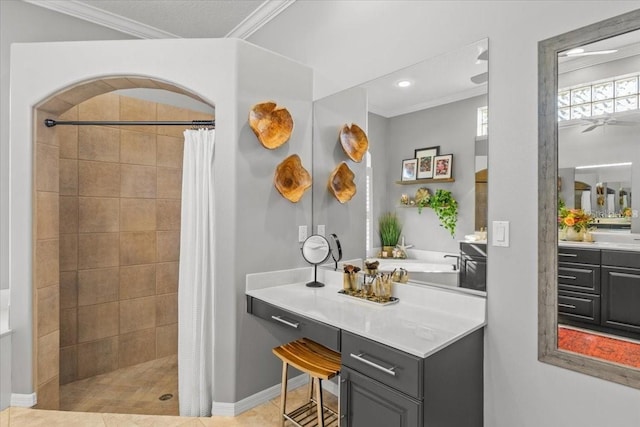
(195, 289)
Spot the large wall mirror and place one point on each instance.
(589, 198)
(438, 106)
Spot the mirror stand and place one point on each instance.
(315, 250)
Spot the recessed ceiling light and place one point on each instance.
(404, 83)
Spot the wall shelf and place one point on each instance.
(425, 181)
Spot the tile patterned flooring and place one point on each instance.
(129, 397)
(132, 390)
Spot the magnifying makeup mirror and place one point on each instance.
(315, 250)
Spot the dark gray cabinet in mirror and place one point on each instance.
(589, 162)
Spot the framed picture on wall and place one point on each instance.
(425, 158)
(443, 166)
(409, 167)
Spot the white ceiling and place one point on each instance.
(439, 80)
(435, 81)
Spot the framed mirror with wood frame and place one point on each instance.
(548, 200)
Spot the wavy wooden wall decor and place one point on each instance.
(341, 183)
(354, 142)
(292, 179)
(272, 125)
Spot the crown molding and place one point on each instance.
(268, 10)
(259, 17)
(101, 17)
(393, 112)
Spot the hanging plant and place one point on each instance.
(446, 208)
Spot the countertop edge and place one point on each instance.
(475, 324)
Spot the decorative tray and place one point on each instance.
(372, 299)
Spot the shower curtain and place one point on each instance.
(195, 288)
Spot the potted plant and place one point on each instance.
(446, 209)
(389, 228)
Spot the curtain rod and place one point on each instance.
(208, 123)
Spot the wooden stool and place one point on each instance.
(320, 363)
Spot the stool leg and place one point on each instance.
(310, 389)
(283, 395)
(318, 382)
(310, 393)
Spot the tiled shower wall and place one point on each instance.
(119, 209)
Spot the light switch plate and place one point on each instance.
(500, 234)
(321, 229)
(302, 233)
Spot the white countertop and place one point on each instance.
(616, 246)
(424, 321)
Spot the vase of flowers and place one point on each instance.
(573, 223)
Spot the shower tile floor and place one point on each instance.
(129, 397)
(132, 390)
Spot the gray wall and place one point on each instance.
(346, 220)
(381, 172)
(23, 22)
(453, 128)
(348, 43)
(266, 235)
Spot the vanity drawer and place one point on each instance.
(579, 278)
(577, 306)
(579, 256)
(319, 332)
(629, 259)
(395, 368)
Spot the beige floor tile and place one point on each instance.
(25, 417)
(4, 417)
(129, 397)
(119, 420)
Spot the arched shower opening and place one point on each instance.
(107, 215)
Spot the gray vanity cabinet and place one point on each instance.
(296, 325)
(621, 290)
(473, 266)
(600, 289)
(366, 402)
(382, 386)
(579, 285)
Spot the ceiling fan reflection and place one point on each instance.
(609, 121)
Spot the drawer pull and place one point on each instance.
(569, 255)
(562, 276)
(359, 358)
(286, 322)
(567, 306)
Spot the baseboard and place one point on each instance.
(331, 387)
(233, 409)
(23, 400)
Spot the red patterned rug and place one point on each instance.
(599, 346)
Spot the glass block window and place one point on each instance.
(598, 98)
(626, 87)
(627, 103)
(581, 95)
(483, 121)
